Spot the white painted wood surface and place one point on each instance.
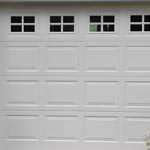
(80, 91)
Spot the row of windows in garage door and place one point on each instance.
(67, 23)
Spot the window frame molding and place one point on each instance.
(23, 24)
(102, 23)
(22, 14)
(128, 22)
(58, 13)
(103, 13)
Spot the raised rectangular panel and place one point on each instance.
(61, 93)
(21, 128)
(22, 93)
(22, 59)
(136, 128)
(102, 93)
(61, 128)
(102, 59)
(137, 59)
(137, 93)
(61, 59)
(101, 129)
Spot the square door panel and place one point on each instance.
(21, 128)
(102, 93)
(137, 59)
(136, 128)
(22, 59)
(102, 59)
(61, 128)
(61, 59)
(61, 93)
(137, 94)
(101, 129)
(22, 92)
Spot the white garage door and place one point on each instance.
(74, 76)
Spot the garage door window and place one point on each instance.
(102, 23)
(22, 24)
(140, 23)
(62, 23)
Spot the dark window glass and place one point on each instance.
(55, 19)
(16, 19)
(68, 28)
(95, 19)
(16, 28)
(136, 27)
(29, 19)
(147, 27)
(108, 19)
(98, 28)
(108, 28)
(95, 28)
(29, 28)
(55, 28)
(147, 18)
(68, 19)
(136, 18)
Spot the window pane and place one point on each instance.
(147, 18)
(108, 28)
(147, 27)
(95, 19)
(29, 19)
(16, 19)
(55, 28)
(55, 19)
(29, 28)
(108, 19)
(136, 27)
(68, 28)
(68, 19)
(136, 18)
(95, 28)
(16, 28)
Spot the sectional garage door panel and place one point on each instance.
(73, 58)
(72, 93)
(74, 76)
(75, 129)
(61, 59)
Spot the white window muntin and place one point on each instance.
(142, 23)
(102, 23)
(62, 23)
(103, 13)
(23, 24)
(22, 13)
